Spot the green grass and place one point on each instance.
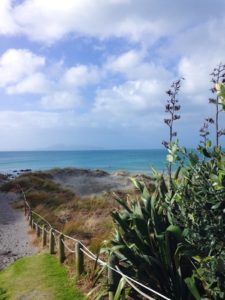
(37, 277)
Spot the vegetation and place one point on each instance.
(171, 236)
(150, 247)
(37, 277)
(218, 76)
(77, 216)
(172, 239)
(3, 177)
(172, 108)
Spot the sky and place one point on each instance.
(92, 74)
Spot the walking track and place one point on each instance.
(14, 239)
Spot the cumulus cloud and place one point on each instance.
(197, 80)
(49, 21)
(125, 63)
(24, 72)
(16, 64)
(201, 49)
(129, 98)
(61, 100)
(134, 65)
(82, 75)
(160, 42)
(36, 83)
(7, 23)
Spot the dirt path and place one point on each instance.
(14, 239)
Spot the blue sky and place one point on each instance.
(93, 74)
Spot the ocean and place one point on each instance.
(136, 161)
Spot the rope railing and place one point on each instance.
(43, 219)
(95, 258)
(70, 250)
(134, 287)
(80, 251)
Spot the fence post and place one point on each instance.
(79, 260)
(25, 207)
(44, 236)
(112, 277)
(31, 219)
(28, 212)
(61, 249)
(33, 225)
(38, 231)
(51, 242)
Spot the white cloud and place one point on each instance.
(51, 20)
(81, 75)
(132, 97)
(138, 20)
(197, 80)
(61, 100)
(36, 83)
(201, 49)
(15, 64)
(7, 24)
(35, 129)
(29, 119)
(133, 65)
(125, 62)
(173, 39)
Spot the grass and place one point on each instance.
(3, 177)
(37, 277)
(87, 218)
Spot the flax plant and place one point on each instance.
(172, 108)
(218, 77)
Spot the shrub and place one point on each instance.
(152, 249)
(173, 239)
(198, 205)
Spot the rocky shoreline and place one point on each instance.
(85, 182)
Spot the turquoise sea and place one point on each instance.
(108, 160)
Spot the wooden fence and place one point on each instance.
(55, 239)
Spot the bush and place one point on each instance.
(150, 248)
(198, 204)
(173, 239)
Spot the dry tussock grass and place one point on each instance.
(86, 218)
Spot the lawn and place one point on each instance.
(37, 277)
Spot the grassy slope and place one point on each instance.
(81, 217)
(37, 277)
(86, 218)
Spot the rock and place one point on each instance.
(5, 253)
(120, 173)
(25, 170)
(100, 173)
